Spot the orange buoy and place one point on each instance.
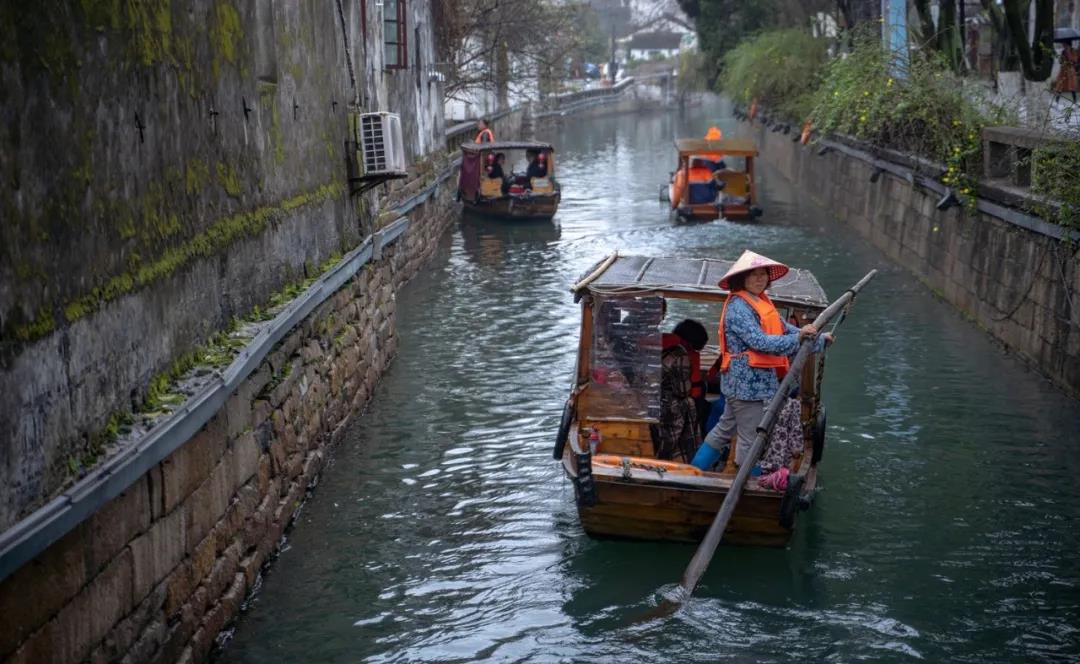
(678, 188)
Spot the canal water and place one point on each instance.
(946, 527)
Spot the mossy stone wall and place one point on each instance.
(165, 166)
(1017, 285)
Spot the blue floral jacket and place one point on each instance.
(742, 332)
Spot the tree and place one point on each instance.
(722, 24)
(504, 45)
(943, 37)
(1036, 58)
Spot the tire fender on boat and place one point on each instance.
(818, 437)
(564, 429)
(789, 504)
(584, 484)
(678, 187)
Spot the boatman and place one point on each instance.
(714, 134)
(485, 135)
(755, 344)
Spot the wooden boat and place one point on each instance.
(700, 189)
(535, 198)
(622, 489)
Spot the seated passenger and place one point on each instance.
(495, 171)
(681, 389)
(784, 446)
(495, 166)
(786, 440)
(537, 167)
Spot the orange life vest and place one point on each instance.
(697, 385)
(770, 324)
(485, 136)
(699, 174)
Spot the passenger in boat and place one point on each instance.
(498, 163)
(495, 170)
(682, 391)
(755, 343)
(537, 166)
(701, 181)
(786, 439)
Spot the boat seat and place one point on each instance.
(491, 187)
(541, 185)
(736, 183)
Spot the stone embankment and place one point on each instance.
(1013, 275)
(158, 572)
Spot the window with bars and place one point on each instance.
(395, 31)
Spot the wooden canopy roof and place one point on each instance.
(507, 145)
(691, 278)
(737, 147)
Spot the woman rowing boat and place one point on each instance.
(755, 343)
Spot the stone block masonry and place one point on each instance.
(156, 574)
(1020, 286)
(164, 168)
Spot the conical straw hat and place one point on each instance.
(751, 261)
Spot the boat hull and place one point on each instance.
(513, 207)
(712, 211)
(666, 513)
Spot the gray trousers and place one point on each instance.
(740, 416)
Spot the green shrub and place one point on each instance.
(1055, 178)
(927, 111)
(779, 68)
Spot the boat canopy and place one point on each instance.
(507, 145)
(735, 147)
(472, 166)
(691, 278)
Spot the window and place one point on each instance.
(395, 30)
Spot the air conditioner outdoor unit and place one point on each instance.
(380, 149)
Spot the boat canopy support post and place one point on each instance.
(703, 556)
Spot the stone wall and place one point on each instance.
(164, 168)
(157, 573)
(1020, 286)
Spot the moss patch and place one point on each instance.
(196, 176)
(228, 179)
(226, 36)
(216, 238)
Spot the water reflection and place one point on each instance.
(487, 241)
(443, 531)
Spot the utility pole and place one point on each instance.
(894, 34)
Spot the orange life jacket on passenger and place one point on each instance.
(699, 174)
(485, 136)
(697, 385)
(771, 324)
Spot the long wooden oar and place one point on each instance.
(703, 556)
